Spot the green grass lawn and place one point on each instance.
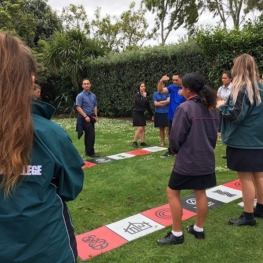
(119, 189)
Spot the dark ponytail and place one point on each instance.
(195, 83)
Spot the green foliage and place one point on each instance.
(70, 53)
(115, 77)
(172, 14)
(75, 17)
(30, 20)
(47, 21)
(128, 31)
(14, 20)
(220, 46)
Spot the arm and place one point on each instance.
(79, 109)
(235, 112)
(161, 87)
(179, 130)
(162, 103)
(83, 114)
(70, 176)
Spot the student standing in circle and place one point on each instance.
(223, 94)
(161, 103)
(87, 107)
(193, 139)
(224, 91)
(175, 99)
(141, 103)
(242, 132)
(40, 169)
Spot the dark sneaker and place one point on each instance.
(167, 154)
(257, 214)
(242, 221)
(135, 144)
(170, 239)
(224, 157)
(198, 235)
(144, 144)
(95, 155)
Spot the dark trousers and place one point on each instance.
(89, 138)
(169, 130)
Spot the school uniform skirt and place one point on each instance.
(138, 118)
(244, 160)
(195, 182)
(160, 120)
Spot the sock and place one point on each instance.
(259, 208)
(177, 234)
(198, 229)
(249, 216)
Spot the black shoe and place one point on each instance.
(224, 156)
(144, 144)
(198, 235)
(167, 154)
(135, 144)
(170, 239)
(95, 155)
(257, 214)
(242, 221)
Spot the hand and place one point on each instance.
(220, 103)
(144, 94)
(164, 78)
(180, 92)
(87, 119)
(152, 118)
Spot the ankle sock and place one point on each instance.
(177, 234)
(259, 208)
(249, 216)
(198, 229)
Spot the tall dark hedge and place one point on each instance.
(115, 78)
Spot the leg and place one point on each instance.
(162, 136)
(137, 133)
(248, 190)
(167, 132)
(143, 134)
(258, 180)
(89, 138)
(201, 207)
(169, 129)
(176, 208)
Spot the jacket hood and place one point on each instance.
(43, 109)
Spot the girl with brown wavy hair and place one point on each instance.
(40, 169)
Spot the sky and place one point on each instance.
(116, 7)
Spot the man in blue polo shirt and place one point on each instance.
(86, 104)
(175, 99)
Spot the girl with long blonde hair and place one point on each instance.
(242, 132)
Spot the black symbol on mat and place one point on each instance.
(121, 156)
(135, 228)
(95, 242)
(224, 193)
(191, 201)
(164, 213)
